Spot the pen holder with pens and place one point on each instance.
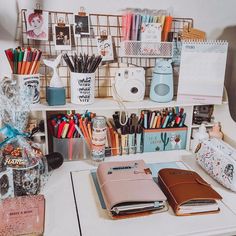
(29, 81)
(164, 139)
(82, 88)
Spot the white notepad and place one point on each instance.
(202, 72)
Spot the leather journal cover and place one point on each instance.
(22, 215)
(128, 187)
(187, 192)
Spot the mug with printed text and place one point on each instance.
(29, 81)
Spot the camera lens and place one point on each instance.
(134, 90)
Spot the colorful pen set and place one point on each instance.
(72, 126)
(24, 61)
(161, 119)
(82, 63)
(132, 21)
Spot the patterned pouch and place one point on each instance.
(218, 159)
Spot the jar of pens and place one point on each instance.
(25, 63)
(83, 70)
(79, 136)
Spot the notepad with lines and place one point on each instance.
(202, 72)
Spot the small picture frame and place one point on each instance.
(62, 37)
(36, 25)
(105, 47)
(81, 25)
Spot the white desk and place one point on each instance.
(61, 215)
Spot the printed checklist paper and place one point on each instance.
(202, 72)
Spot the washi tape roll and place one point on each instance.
(99, 138)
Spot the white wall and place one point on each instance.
(216, 17)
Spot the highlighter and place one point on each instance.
(71, 129)
(166, 28)
(181, 124)
(117, 149)
(65, 130)
(152, 119)
(154, 122)
(124, 141)
(131, 141)
(165, 122)
(145, 121)
(158, 125)
(139, 140)
(60, 128)
(20, 61)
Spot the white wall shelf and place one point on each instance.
(102, 104)
(208, 125)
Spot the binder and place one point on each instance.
(202, 71)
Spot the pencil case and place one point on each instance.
(218, 159)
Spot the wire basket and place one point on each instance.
(146, 49)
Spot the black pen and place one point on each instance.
(82, 62)
(93, 65)
(99, 59)
(68, 62)
(85, 64)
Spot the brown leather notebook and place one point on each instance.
(187, 193)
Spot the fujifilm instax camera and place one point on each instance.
(129, 84)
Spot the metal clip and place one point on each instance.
(82, 12)
(38, 10)
(61, 22)
(103, 35)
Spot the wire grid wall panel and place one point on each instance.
(99, 23)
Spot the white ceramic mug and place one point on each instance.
(82, 88)
(32, 81)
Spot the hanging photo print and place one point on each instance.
(62, 37)
(36, 25)
(82, 26)
(105, 47)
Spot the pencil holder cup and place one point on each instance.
(30, 81)
(82, 88)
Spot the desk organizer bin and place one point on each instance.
(218, 159)
(164, 139)
(71, 149)
(146, 49)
